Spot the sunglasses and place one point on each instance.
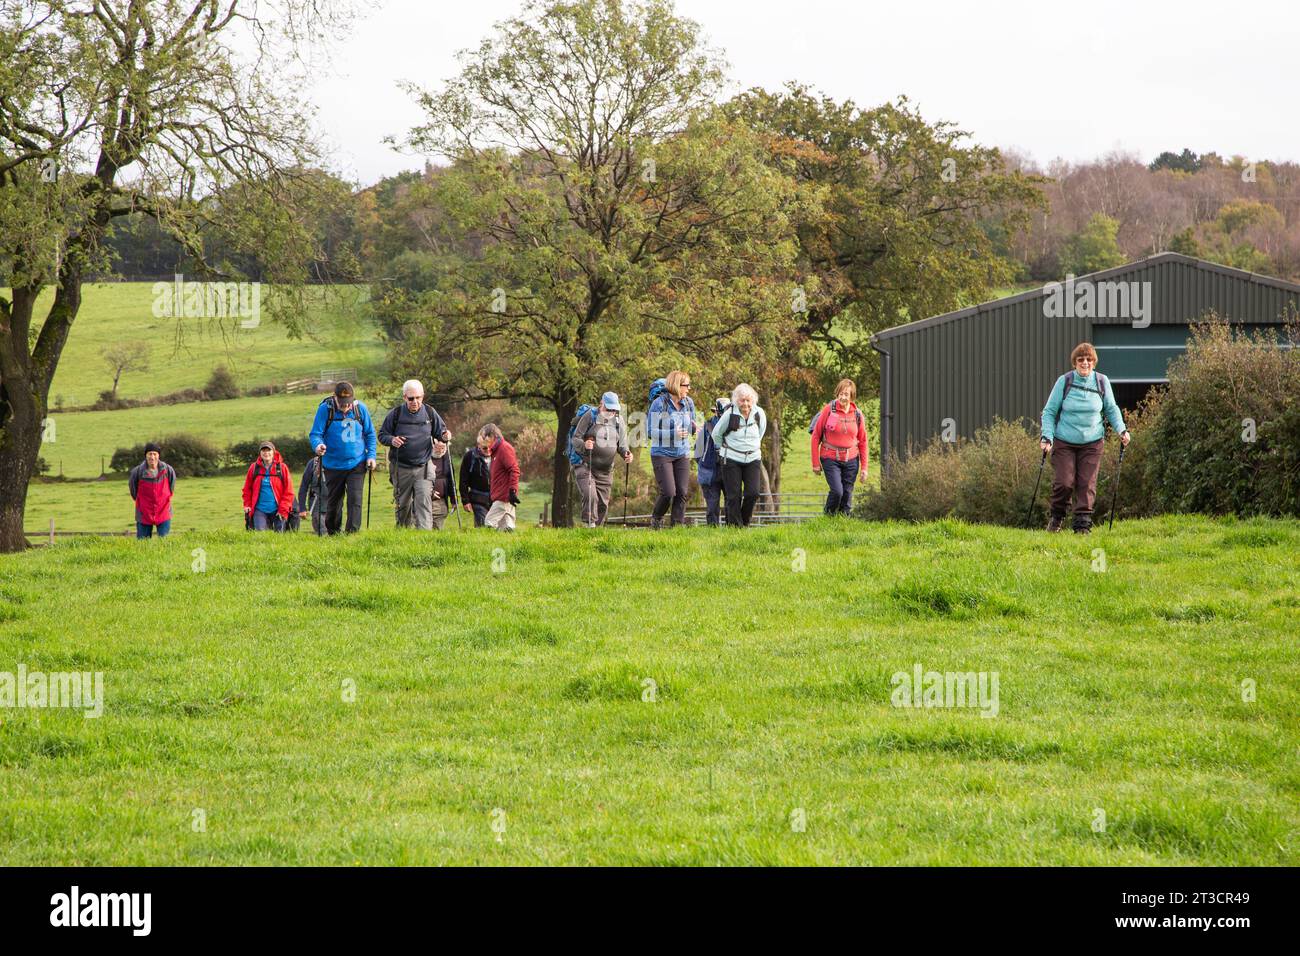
(415, 398)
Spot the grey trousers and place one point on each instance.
(594, 489)
(413, 496)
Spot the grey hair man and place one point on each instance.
(410, 430)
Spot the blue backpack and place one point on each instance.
(591, 410)
(657, 388)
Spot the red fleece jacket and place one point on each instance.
(504, 477)
(840, 435)
(281, 484)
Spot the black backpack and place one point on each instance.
(1068, 378)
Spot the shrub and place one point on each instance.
(221, 385)
(1201, 457)
(190, 455)
(921, 487)
(998, 471)
(535, 448)
(294, 449)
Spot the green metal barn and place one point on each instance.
(958, 371)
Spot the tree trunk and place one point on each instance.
(561, 511)
(25, 386)
(20, 441)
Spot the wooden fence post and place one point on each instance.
(51, 531)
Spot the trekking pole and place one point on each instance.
(627, 468)
(370, 483)
(319, 518)
(1119, 467)
(1029, 517)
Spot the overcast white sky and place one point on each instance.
(1072, 80)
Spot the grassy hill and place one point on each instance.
(624, 697)
(341, 335)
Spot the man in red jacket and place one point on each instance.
(503, 480)
(268, 490)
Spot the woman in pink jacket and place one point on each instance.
(839, 447)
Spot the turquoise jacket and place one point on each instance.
(1078, 419)
(741, 445)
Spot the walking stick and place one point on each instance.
(370, 483)
(627, 467)
(1029, 517)
(1119, 467)
(319, 518)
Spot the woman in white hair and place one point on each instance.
(739, 436)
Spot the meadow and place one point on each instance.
(339, 333)
(694, 696)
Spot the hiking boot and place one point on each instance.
(1054, 523)
(1083, 529)
(656, 524)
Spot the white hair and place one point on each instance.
(743, 389)
(412, 383)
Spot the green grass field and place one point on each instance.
(685, 697)
(340, 334)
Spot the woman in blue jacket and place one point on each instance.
(671, 423)
(1074, 424)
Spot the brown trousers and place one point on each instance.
(1074, 472)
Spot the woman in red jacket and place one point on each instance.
(839, 447)
(268, 490)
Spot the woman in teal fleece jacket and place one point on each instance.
(1074, 425)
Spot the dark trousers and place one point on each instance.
(480, 513)
(712, 506)
(1074, 472)
(337, 480)
(673, 475)
(840, 478)
(740, 504)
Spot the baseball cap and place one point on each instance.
(266, 444)
(610, 401)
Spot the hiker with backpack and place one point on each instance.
(708, 466)
(503, 480)
(307, 502)
(268, 490)
(476, 482)
(1073, 428)
(411, 428)
(739, 434)
(596, 435)
(839, 447)
(343, 435)
(670, 420)
(151, 484)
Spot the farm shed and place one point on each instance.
(960, 370)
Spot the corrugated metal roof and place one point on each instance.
(1104, 275)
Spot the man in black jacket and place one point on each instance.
(411, 429)
(476, 483)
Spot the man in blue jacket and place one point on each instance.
(343, 433)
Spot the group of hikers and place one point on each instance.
(727, 452)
